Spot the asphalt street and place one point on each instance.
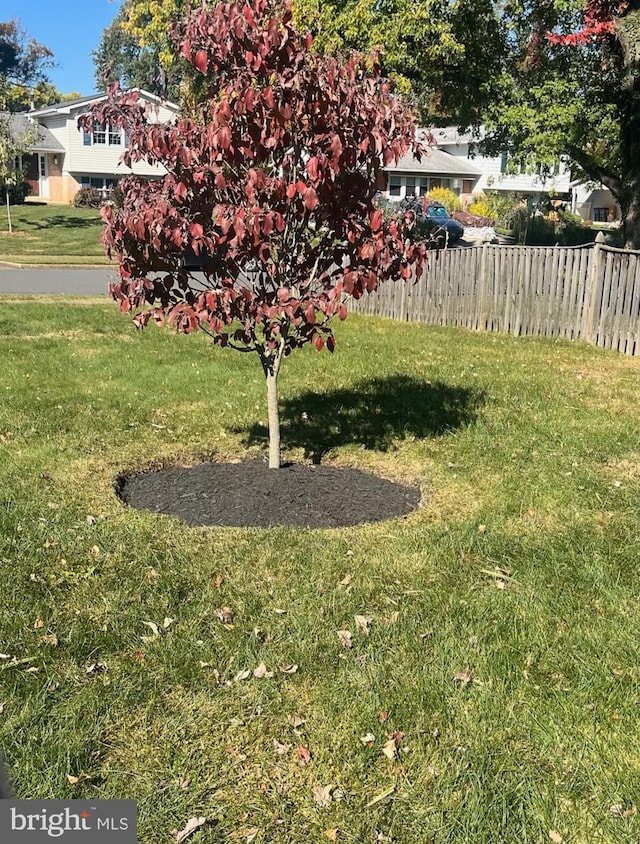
(67, 281)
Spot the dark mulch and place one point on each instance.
(250, 494)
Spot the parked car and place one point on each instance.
(433, 219)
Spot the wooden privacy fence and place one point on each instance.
(589, 292)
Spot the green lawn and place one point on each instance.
(51, 234)
(518, 576)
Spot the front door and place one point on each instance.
(44, 178)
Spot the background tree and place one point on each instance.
(23, 61)
(120, 57)
(22, 97)
(272, 181)
(13, 144)
(570, 87)
(445, 52)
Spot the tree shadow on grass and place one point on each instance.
(371, 413)
(62, 221)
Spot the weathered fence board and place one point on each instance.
(589, 292)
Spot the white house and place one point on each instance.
(455, 163)
(66, 159)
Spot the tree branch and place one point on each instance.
(592, 168)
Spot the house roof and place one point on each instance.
(452, 135)
(436, 162)
(67, 106)
(44, 142)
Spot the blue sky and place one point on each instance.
(71, 29)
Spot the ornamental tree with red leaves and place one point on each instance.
(270, 183)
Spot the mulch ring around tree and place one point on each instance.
(249, 494)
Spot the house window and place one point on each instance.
(99, 134)
(395, 186)
(410, 186)
(86, 138)
(115, 136)
(104, 184)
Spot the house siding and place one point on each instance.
(95, 160)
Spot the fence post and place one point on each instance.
(403, 297)
(483, 288)
(592, 291)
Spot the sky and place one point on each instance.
(71, 29)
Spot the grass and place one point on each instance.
(519, 576)
(51, 235)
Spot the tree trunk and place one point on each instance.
(274, 419)
(8, 209)
(631, 220)
(627, 29)
(271, 366)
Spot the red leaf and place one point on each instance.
(331, 342)
(376, 220)
(310, 198)
(312, 167)
(310, 314)
(224, 137)
(201, 61)
(318, 342)
(304, 756)
(196, 230)
(291, 191)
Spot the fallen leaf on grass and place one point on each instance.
(289, 669)
(280, 749)
(389, 749)
(363, 623)
(555, 837)
(331, 834)
(280, 611)
(154, 629)
(296, 721)
(75, 780)
(38, 624)
(303, 754)
(619, 810)
(322, 794)
(50, 639)
(464, 677)
(251, 834)
(368, 740)
(380, 797)
(151, 577)
(3, 703)
(346, 638)
(225, 614)
(390, 619)
(261, 672)
(346, 580)
(95, 668)
(191, 826)
(242, 675)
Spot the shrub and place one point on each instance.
(481, 208)
(446, 197)
(88, 198)
(18, 192)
